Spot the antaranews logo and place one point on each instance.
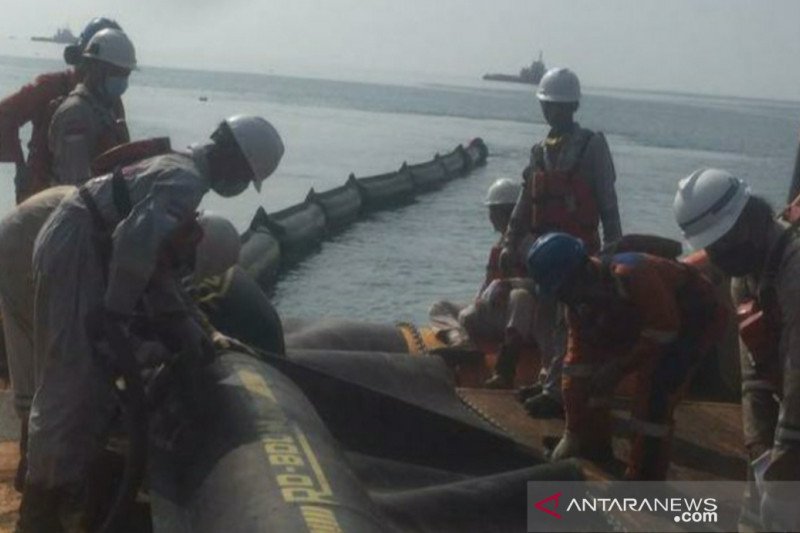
(552, 512)
(631, 506)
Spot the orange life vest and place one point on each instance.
(564, 201)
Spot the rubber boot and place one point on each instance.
(529, 391)
(504, 369)
(544, 406)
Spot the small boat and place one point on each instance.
(62, 36)
(528, 75)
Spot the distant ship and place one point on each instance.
(62, 36)
(530, 75)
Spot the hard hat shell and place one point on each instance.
(218, 250)
(559, 85)
(707, 205)
(553, 259)
(73, 52)
(113, 47)
(260, 144)
(503, 192)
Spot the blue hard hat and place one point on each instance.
(553, 259)
(73, 52)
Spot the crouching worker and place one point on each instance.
(96, 256)
(502, 314)
(629, 313)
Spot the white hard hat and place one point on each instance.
(707, 205)
(219, 248)
(113, 47)
(559, 85)
(503, 191)
(260, 143)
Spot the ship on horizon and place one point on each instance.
(529, 75)
(62, 36)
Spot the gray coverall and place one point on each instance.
(69, 412)
(82, 128)
(596, 165)
(771, 391)
(18, 232)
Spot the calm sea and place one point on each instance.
(394, 265)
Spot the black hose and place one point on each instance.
(130, 389)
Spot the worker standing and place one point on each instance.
(95, 257)
(87, 123)
(742, 237)
(567, 187)
(34, 103)
(629, 313)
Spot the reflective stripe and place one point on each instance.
(580, 370)
(785, 435)
(659, 336)
(758, 384)
(651, 429)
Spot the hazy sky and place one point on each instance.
(737, 47)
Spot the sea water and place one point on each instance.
(393, 265)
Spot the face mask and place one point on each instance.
(228, 187)
(115, 86)
(738, 260)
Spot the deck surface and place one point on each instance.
(708, 442)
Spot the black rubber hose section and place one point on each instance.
(134, 415)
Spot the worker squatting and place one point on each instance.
(115, 232)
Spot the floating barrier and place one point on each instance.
(477, 153)
(341, 205)
(260, 255)
(456, 163)
(277, 241)
(299, 229)
(428, 176)
(335, 441)
(385, 191)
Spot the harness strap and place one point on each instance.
(94, 211)
(120, 193)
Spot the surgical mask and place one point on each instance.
(115, 86)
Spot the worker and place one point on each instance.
(95, 256)
(629, 313)
(87, 122)
(741, 236)
(217, 251)
(32, 104)
(568, 187)
(502, 313)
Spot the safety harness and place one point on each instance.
(103, 230)
(563, 200)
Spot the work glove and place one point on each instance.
(568, 446)
(183, 334)
(506, 260)
(222, 342)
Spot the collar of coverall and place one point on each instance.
(199, 154)
(553, 140)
